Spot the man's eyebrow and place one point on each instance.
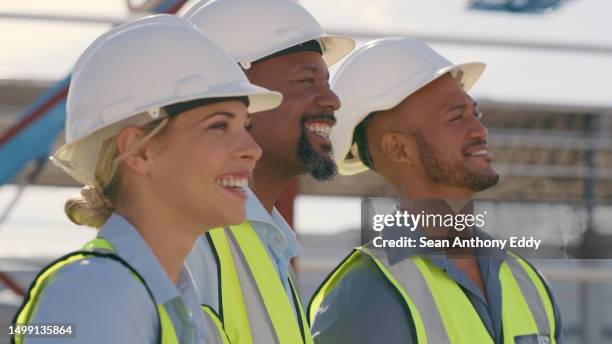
(307, 68)
(462, 106)
(316, 69)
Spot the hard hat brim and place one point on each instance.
(75, 157)
(260, 99)
(471, 73)
(335, 47)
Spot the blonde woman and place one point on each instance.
(156, 130)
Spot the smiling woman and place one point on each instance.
(164, 153)
(200, 141)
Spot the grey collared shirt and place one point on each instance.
(363, 308)
(276, 236)
(108, 305)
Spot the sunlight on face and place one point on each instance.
(206, 161)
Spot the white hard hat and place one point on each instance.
(252, 29)
(126, 75)
(377, 77)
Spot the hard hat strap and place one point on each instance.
(361, 140)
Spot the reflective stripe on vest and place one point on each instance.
(441, 311)
(94, 248)
(253, 304)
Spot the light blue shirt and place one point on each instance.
(275, 234)
(108, 305)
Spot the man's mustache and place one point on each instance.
(477, 142)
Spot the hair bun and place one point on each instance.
(93, 197)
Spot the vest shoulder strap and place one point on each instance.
(329, 283)
(240, 245)
(232, 308)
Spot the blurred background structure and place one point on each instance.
(546, 96)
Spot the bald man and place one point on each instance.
(416, 126)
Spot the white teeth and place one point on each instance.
(320, 129)
(480, 152)
(233, 183)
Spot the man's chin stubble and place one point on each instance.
(320, 167)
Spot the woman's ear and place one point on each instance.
(397, 147)
(132, 152)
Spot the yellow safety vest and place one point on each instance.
(97, 248)
(253, 304)
(442, 312)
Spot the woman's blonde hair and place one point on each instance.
(97, 202)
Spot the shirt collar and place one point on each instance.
(257, 213)
(256, 210)
(131, 247)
